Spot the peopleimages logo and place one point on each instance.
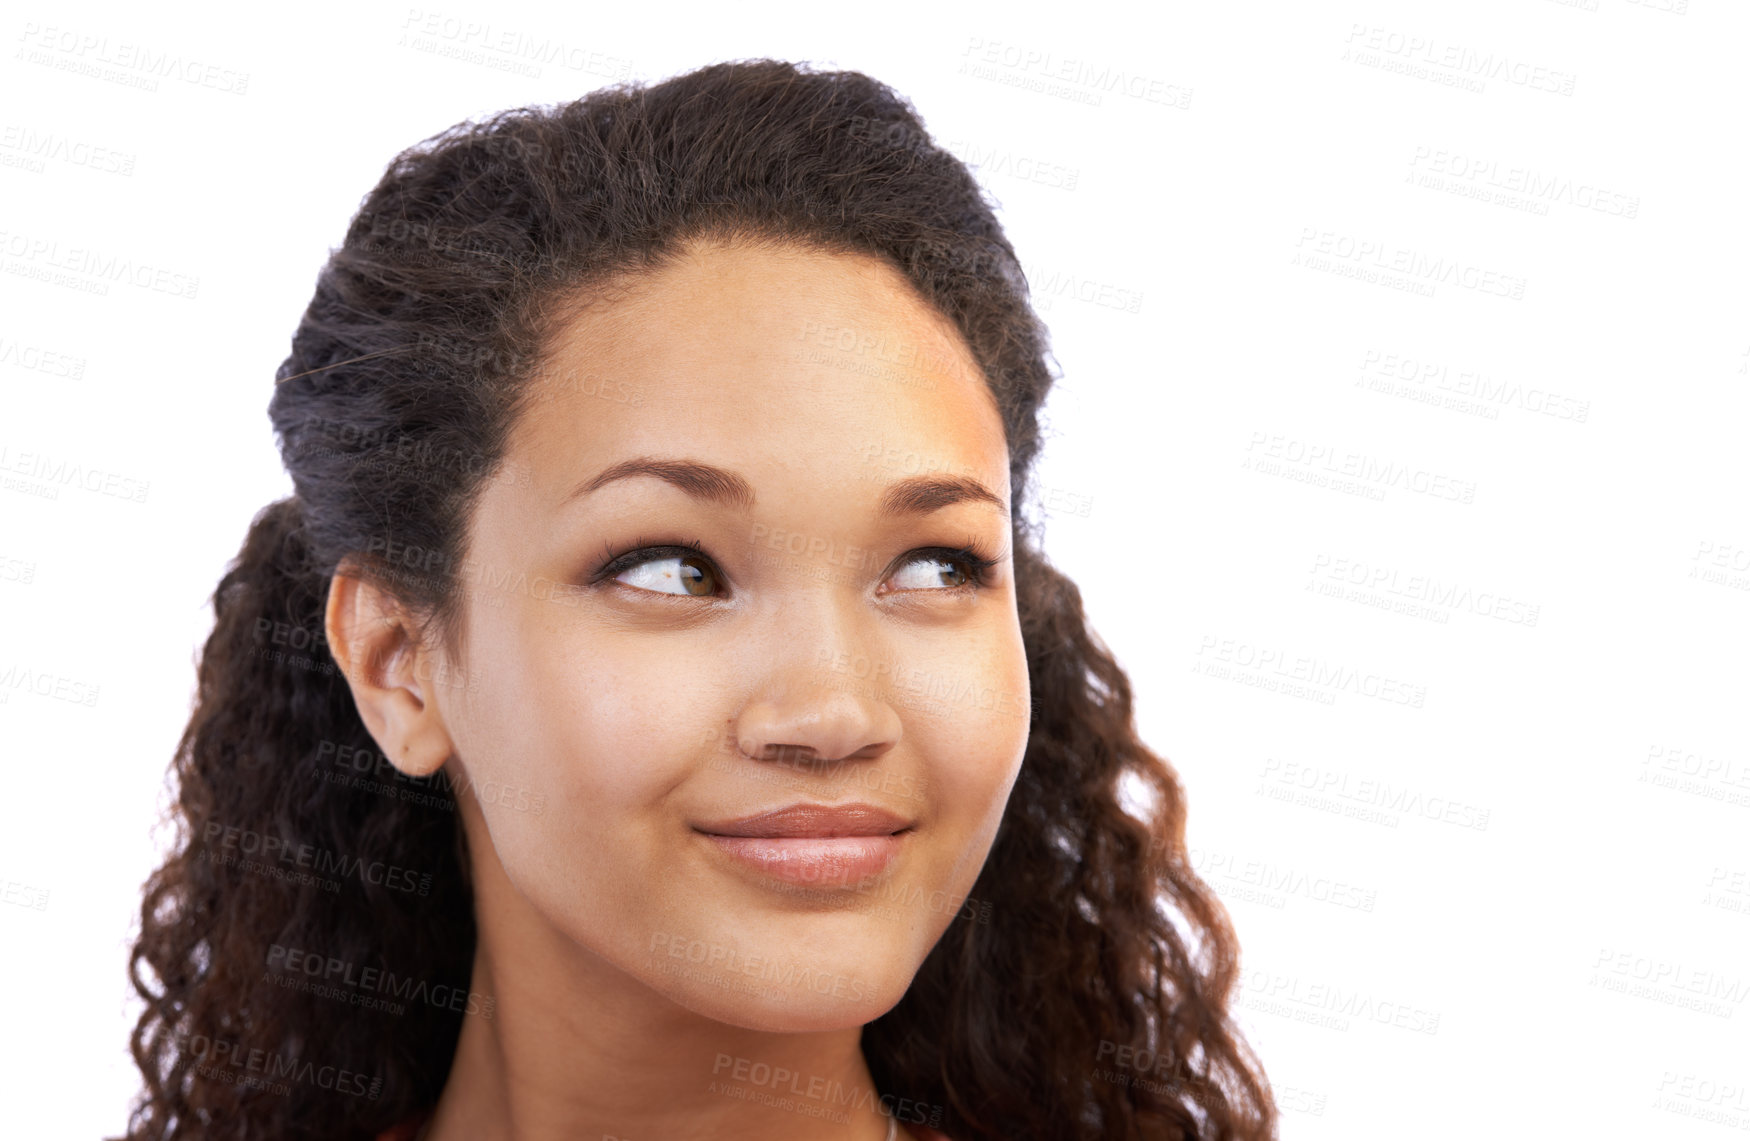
(1316, 248)
(94, 55)
(716, 957)
(1388, 588)
(50, 470)
(1533, 185)
(781, 1079)
(267, 846)
(1267, 453)
(1216, 653)
(1436, 375)
(95, 266)
(223, 1059)
(1080, 80)
(1458, 59)
(332, 972)
(1359, 796)
(1330, 1005)
(40, 145)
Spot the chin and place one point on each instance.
(791, 1014)
(797, 1008)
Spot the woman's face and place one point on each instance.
(828, 443)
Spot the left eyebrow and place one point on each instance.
(923, 494)
(919, 495)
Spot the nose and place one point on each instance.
(815, 722)
(804, 706)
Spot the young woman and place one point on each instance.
(653, 715)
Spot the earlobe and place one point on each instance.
(373, 640)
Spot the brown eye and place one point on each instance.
(933, 571)
(951, 573)
(697, 575)
(673, 574)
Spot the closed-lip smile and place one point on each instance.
(812, 821)
(825, 847)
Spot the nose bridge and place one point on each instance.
(804, 693)
(813, 611)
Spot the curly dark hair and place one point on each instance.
(392, 413)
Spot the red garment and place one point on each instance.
(406, 1130)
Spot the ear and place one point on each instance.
(373, 640)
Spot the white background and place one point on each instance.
(1548, 855)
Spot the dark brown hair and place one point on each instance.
(413, 360)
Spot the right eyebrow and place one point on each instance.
(699, 480)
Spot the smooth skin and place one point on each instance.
(821, 649)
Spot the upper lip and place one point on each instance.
(822, 820)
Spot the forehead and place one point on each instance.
(758, 355)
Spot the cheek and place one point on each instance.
(973, 729)
(571, 753)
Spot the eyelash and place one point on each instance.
(970, 554)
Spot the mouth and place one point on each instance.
(813, 845)
(811, 821)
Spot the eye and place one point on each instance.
(673, 574)
(942, 569)
(680, 571)
(685, 571)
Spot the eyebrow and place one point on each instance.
(918, 495)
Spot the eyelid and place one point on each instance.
(614, 565)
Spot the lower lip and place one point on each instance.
(813, 861)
